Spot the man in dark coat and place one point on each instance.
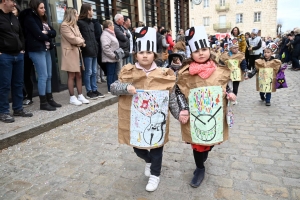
(123, 38)
(11, 63)
(296, 49)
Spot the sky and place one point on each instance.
(288, 12)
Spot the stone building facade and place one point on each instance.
(220, 16)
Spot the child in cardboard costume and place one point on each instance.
(145, 78)
(201, 85)
(235, 61)
(266, 70)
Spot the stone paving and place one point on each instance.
(83, 160)
(40, 115)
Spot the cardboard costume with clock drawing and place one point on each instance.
(203, 85)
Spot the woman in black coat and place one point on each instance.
(38, 43)
(89, 52)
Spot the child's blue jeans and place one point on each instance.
(265, 96)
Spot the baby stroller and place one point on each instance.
(175, 61)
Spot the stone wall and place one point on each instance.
(267, 25)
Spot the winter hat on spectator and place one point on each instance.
(145, 39)
(255, 31)
(197, 38)
(272, 46)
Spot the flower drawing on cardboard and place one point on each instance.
(265, 79)
(206, 114)
(149, 113)
(233, 65)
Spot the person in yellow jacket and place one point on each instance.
(235, 33)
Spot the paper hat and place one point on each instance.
(272, 46)
(255, 31)
(197, 38)
(145, 39)
(233, 43)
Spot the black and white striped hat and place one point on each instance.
(197, 38)
(145, 39)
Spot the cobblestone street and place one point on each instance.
(83, 160)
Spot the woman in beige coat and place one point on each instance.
(71, 40)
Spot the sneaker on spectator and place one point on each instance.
(98, 94)
(6, 118)
(91, 95)
(234, 103)
(27, 102)
(83, 99)
(268, 104)
(22, 113)
(74, 101)
(99, 81)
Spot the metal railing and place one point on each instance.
(220, 8)
(220, 26)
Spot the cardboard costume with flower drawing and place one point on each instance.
(203, 85)
(144, 117)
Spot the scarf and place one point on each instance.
(203, 70)
(110, 31)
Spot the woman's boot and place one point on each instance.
(44, 105)
(51, 101)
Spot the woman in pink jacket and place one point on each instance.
(109, 44)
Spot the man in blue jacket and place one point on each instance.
(11, 63)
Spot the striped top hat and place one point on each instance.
(197, 38)
(145, 39)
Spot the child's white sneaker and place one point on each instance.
(74, 101)
(234, 103)
(147, 169)
(152, 183)
(83, 99)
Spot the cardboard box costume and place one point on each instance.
(158, 79)
(205, 96)
(186, 82)
(266, 75)
(233, 63)
(144, 117)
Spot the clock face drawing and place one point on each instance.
(197, 2)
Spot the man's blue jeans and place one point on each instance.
(43, 66)
(90, 73)
(11, 78)
(111, 69)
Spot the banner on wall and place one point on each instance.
(221, 36)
